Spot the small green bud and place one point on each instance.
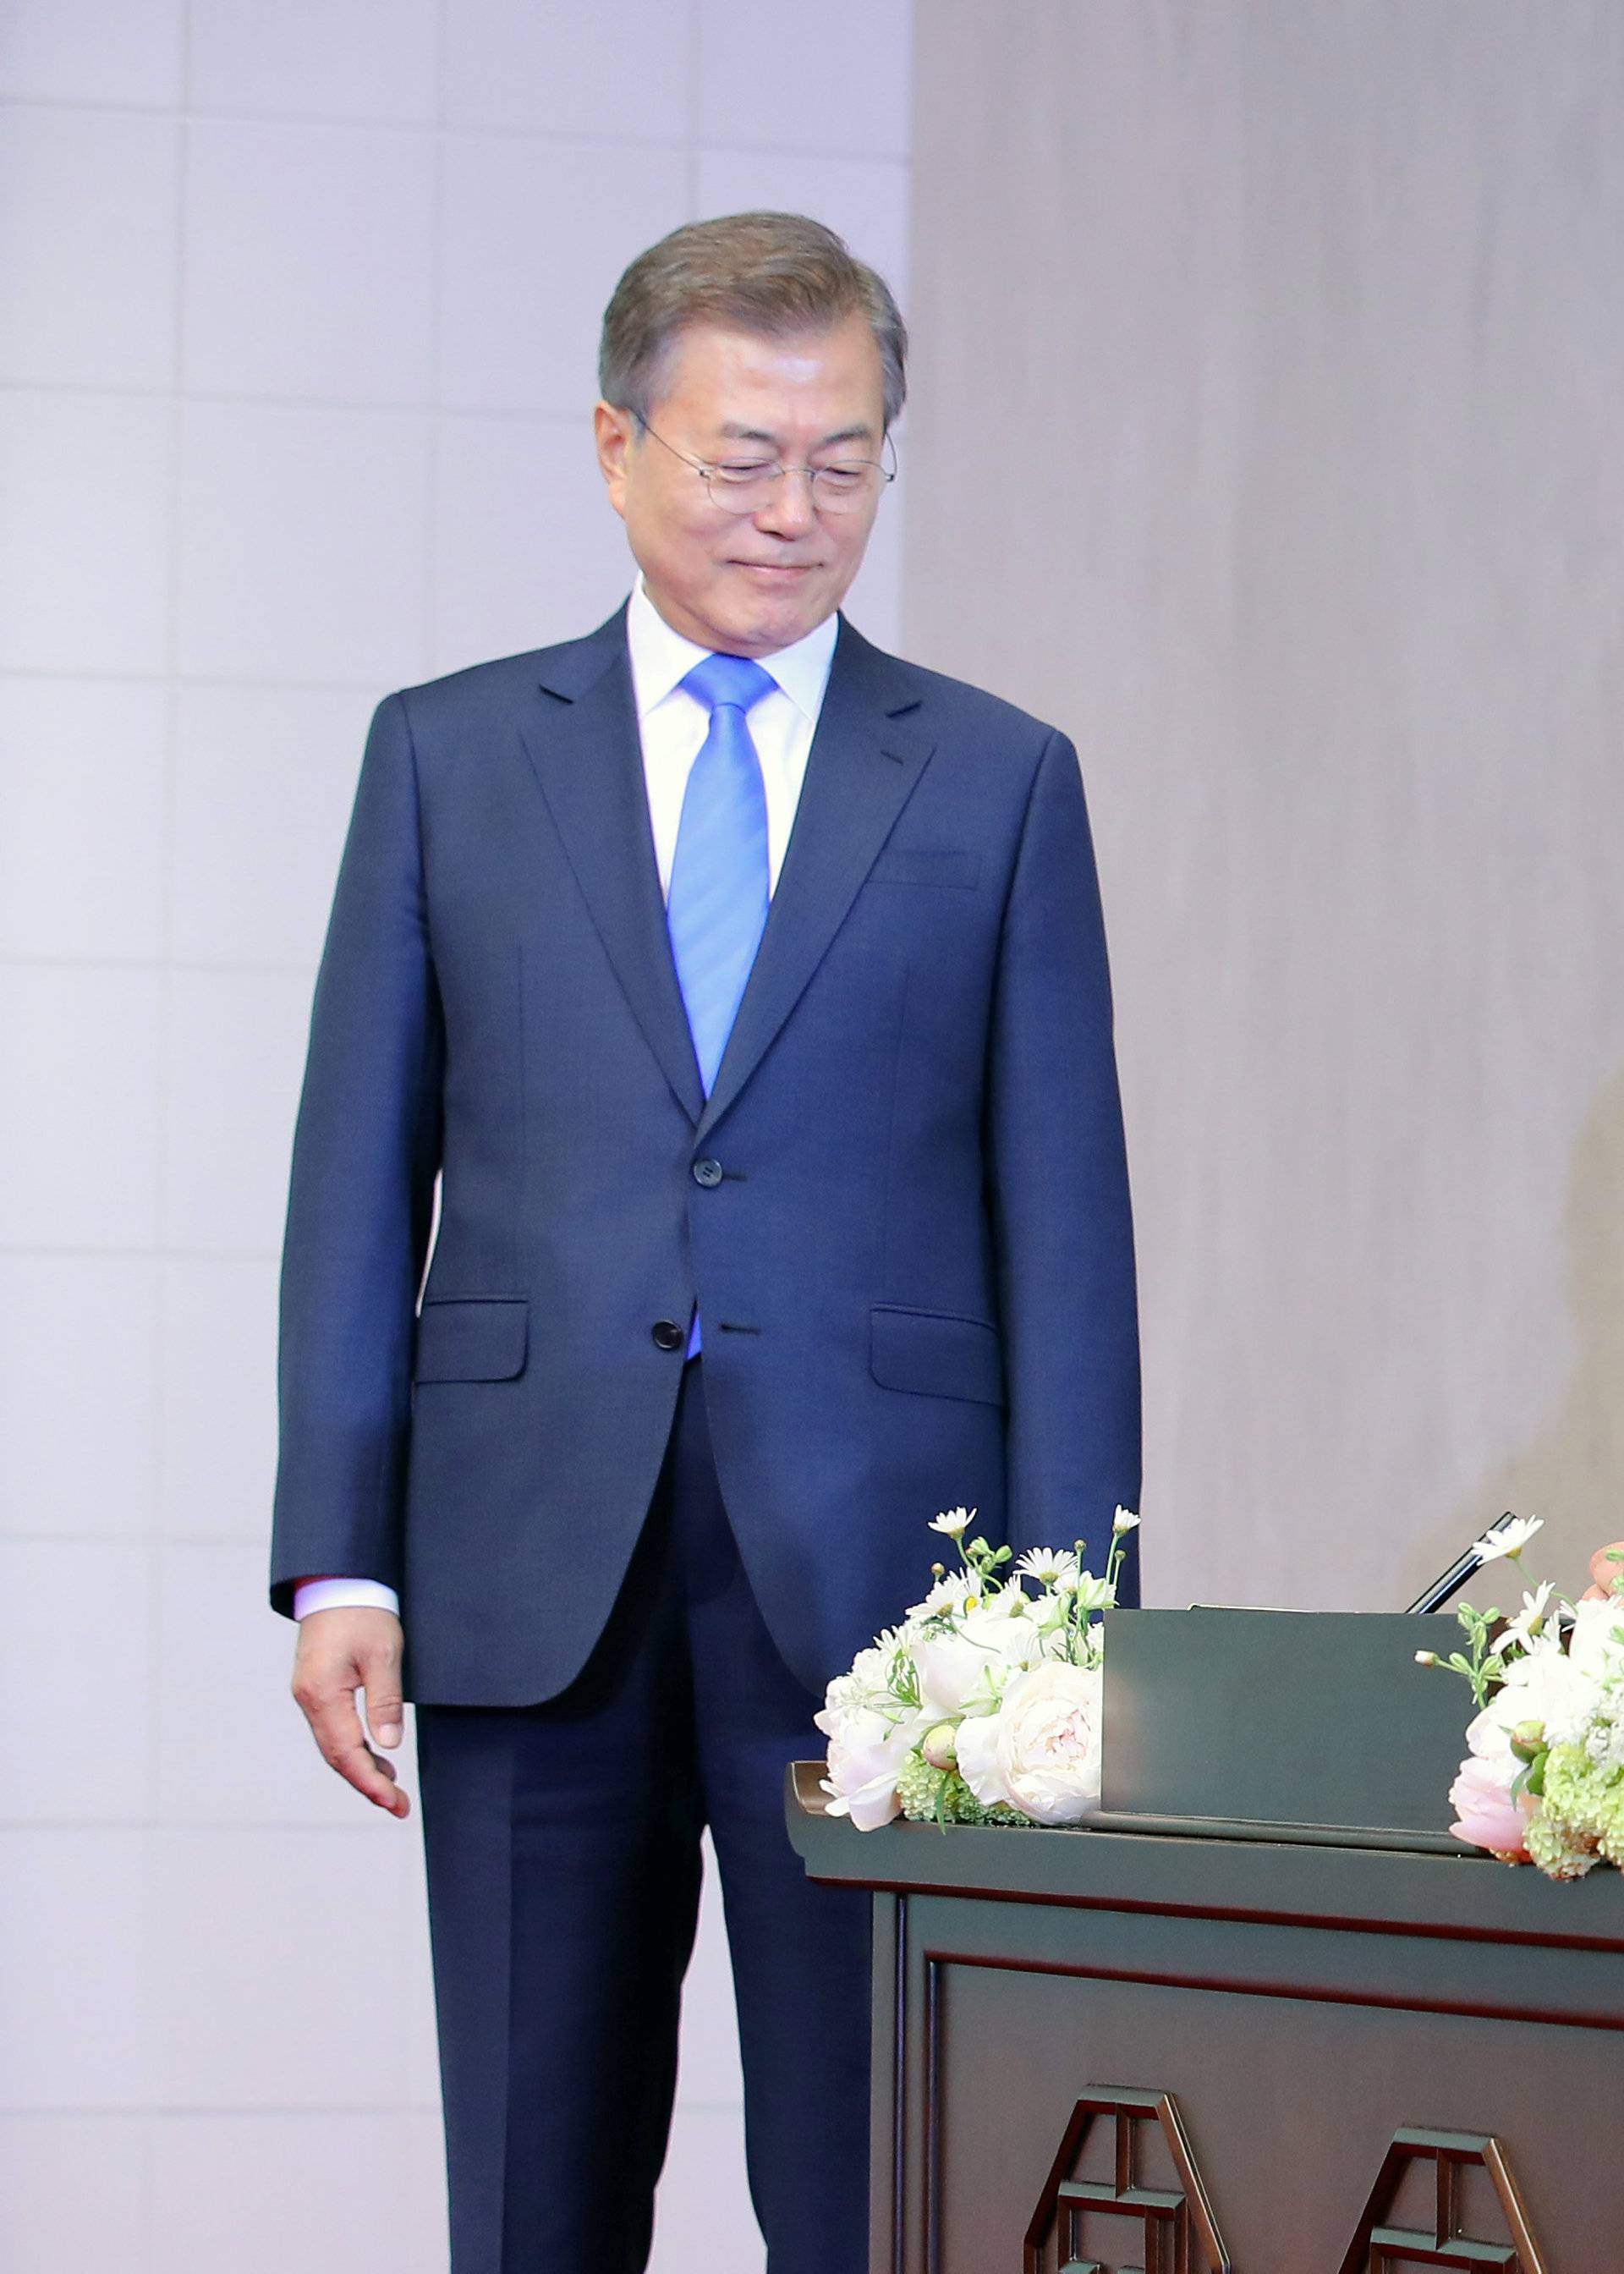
(1528, 1740)
(940, 1746)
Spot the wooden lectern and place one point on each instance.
(1262, 2015)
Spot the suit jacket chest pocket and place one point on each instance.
(927, 865)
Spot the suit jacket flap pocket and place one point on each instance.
(936, 1353)
(482, 1339)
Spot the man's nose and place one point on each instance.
(789, 512)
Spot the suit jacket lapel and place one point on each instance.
(583, 744)
(866, 760)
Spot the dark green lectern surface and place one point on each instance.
(1192, 2047)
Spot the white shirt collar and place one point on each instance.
(660, 657)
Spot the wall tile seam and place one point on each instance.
(466, 130)
(154, 1748)
(695, 43)
(391, 406)
(215, 1829)
(218, 1829)
(248, 684)
(441, 36)
(157, 1253)
(434, 441)
(142, 2112)
(226, 1827)
(12, 960)
(141, 1536)
(425, 128)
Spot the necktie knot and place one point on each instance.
(729, 681)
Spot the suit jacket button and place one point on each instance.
(707, 1172)
(668, 1335)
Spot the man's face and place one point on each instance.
(747, 584)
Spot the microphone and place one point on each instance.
(1449, 1583)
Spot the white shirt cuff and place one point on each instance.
(344, 1594)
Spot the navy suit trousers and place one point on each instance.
(563, 1857)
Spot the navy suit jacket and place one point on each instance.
(914, 1269)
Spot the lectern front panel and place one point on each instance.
(1290, 2080)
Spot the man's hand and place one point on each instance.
(1606, 1566)
(341, 1652)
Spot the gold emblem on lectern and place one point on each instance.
(1382, 2247)
(1131, 2187)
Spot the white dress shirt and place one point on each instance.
(672, 725)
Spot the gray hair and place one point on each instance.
(771, 274)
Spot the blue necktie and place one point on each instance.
(716, 910)
(716, 906)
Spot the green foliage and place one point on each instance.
(1581, 1819)
(942, 1797)
(904, 1679)
(1486, 1668)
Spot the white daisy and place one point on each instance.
(1049, 1566)
(951, 1595)
(1522, 1630)
(1124, 1520)
(1509, 1537)
(953, 1521)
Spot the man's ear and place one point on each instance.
(615, 434)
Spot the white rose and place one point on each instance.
(1006, 1631)
(952, 1671)
(1595, 1647)
(1545, 1687)
(977, 1747)
(847, 1698)
(1048, 1743)
(851, 1700)
(866, 1756)
(968, 1664)
(1040, 1752)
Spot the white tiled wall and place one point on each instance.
(296, 358)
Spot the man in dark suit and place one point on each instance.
(745, 988)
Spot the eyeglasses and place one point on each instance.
(747, 484)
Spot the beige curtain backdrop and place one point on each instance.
(1265, 435)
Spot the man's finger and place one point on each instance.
(382, 1675)
(336, 1727)
(394, 1800)
(346, 1750)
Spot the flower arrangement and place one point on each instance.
(983, 1706)
(1543, 1780)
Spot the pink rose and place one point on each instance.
(1487, 1815)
